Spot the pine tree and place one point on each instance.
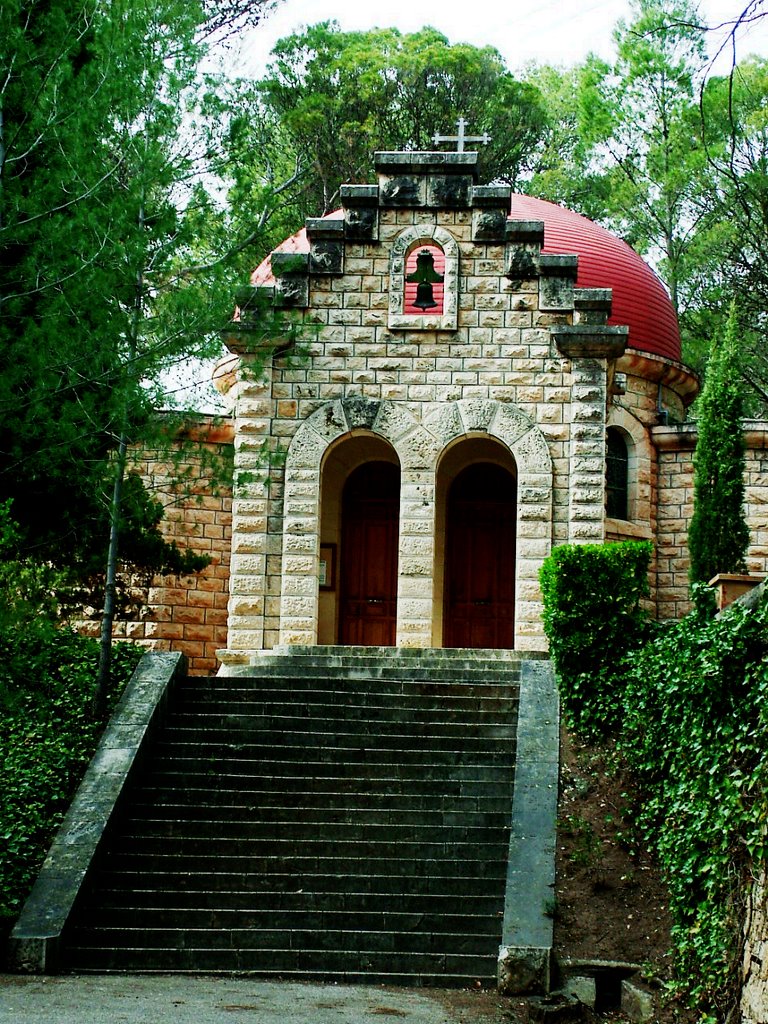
(107, 275)
(718, 535)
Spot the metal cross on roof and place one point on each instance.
(461, 138)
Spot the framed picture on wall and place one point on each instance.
(327, 566)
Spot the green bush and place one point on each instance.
(593, 619)
(695, 718)
(688, 704)
(718, 535)
(47, 731)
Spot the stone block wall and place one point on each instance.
(518, 356)
(754, 993)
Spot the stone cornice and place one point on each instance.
(426, 162)
(676, 376)
(682, 436)
(592, 341)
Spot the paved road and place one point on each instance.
(136, 999)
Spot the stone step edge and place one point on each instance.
(408, 979)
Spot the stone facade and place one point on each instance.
(516, 367)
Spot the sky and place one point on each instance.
(545, 31)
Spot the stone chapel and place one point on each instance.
(485, 375)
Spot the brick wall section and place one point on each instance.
(185, 613)
(675, 507)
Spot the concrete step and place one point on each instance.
(301, 791)
(327, 816)
(336, 832)
(320, 964)
(429, 769)
(479, 695)
(167, 808)
(344, 746)
(316, 933)
(360, 911)
(122, 882)
(224, 726)
(399, 654)
(227, 847)
(312, 713)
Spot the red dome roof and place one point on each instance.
(640, 300)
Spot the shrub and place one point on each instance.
(689, 706)
(47, 731)
(695, 717)
(718, 535)
(593, 619)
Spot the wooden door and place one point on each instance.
(369, 538)
(479, 605)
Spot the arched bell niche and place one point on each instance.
(424, 269)
(425, 280)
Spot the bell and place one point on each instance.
(424, 297)
(425, 268)
(425, 276)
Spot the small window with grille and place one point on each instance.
(617, 475)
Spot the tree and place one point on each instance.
(110, 268)
(654, 148)
(339, 96)
(734, 111)
(718, 536)
(115, 261)
(567, 168)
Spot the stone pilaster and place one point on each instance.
(415, 575)
(586, 507)
(590, 347)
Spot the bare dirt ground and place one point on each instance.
(611, 902)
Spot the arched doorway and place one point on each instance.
(368, 563)
(479, 588)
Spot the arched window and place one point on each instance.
(616, 475)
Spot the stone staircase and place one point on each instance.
(338, 814)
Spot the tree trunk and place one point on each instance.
(108, 614)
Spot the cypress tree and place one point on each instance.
(718, 535)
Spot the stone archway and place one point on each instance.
(418, 447)
(416, 450)
(485, 423)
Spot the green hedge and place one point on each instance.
(694, 736)
(47, 737)
(594, 620)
